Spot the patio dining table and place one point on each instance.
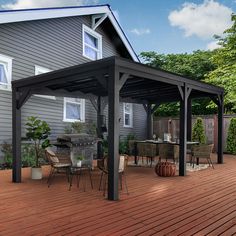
(157, 143)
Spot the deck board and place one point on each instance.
(201, 203)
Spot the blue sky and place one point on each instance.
(164, 26)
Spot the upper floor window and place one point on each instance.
(40, 70)
(74, 109)
(128, 115)
(92, 44)
(5, 72)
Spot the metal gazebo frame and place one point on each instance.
(119, 80)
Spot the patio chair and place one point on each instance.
(168, 151)
(56, 166)
(202, 151)
(150, 152)
(121, 170)
(141, 151)
(102, 166)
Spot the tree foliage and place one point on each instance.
(231, 138)
(38, 132)
(198, 133)
(225, 73)
(195, 65)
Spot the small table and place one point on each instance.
(79, 172)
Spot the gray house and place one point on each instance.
(37, 41)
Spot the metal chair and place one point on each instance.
(202, 151)
(56, 166)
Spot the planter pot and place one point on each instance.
(36, 173)
(79, 163)
(165, 169)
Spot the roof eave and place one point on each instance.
(51, 13)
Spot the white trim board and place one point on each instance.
(50, 13)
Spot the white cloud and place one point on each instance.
(140, 31)
(203, 20)
(213, 45)
(26, 4)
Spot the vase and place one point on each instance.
(79, 164)
(36, 173)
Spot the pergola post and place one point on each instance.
(16, 137)
(99, 121)
(113, 134)
(189, 119)
(149, 121)
(220, 129)
(184, 93)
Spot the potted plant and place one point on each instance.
(38, 132)
(79, 158)
(198, 133)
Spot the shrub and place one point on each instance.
(7, 152)
(198, 133)
(78, 127)
(231, 138)
(27, 155)
(38, 132)
(123, 144)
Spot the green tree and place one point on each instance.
(225, 73)
(195, 65)
(38, 132)
(231, 138)
(198, 133)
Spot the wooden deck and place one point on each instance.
(201, 203)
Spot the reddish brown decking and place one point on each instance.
(202, 203)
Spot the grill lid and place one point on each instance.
(77, 139)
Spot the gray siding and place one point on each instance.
(53, 44)
(139, 122)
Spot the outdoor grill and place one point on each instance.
(78, 145)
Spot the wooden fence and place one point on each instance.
(171, 125)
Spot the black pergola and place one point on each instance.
(119, 80)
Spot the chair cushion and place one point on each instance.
(61, 165)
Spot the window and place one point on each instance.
(128, 115)
(74, 110)
(40, 70)
(5, 72)
(92, 44)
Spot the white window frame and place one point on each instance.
(82, 109)
(7, 64)
(129, 113)
(41, 70)
(95, 35)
